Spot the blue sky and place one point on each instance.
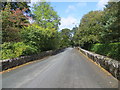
(72, 12)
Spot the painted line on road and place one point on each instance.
(8, 70)
(109, 74)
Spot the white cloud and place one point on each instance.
(75, 7)
(70, 7)
(101, 4)
(68, 22)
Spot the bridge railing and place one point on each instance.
(111, 65)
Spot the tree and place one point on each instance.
(111, 32)
(74, 36)
(40, 38)
(14, 5)
(18, 18)
(22, 6)
(45, 15)
(74, 30)
(90, 28)
(65, 37)
(11, 21)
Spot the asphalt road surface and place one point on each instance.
(68, 69)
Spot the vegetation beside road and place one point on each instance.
(98, 31)
(110, 49)
(20, 37)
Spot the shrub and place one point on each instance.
(30, 50)
(41, 38)
(12, 50)
(19, 48)
(111, 50)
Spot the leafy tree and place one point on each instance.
(18, 18)
(9, 32)
(111, 32)
(40, 38)
(12, 21)
(74, 30)
(75, 38)
(65, 37)
(14, 5)
(45, 15)
(90, 28)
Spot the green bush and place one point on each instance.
(35, 39)
(30, 50)
(12, 50)
(111, 50)
(19, 48)
(7, 51)
(41, 38)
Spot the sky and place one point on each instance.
(71, 12)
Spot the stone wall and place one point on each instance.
(10, 63)
(109, 64)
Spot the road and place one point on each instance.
(68, 69)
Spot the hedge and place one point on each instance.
(111, 50)
(11, 50)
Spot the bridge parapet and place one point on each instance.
(111, 65)
(10, 63)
